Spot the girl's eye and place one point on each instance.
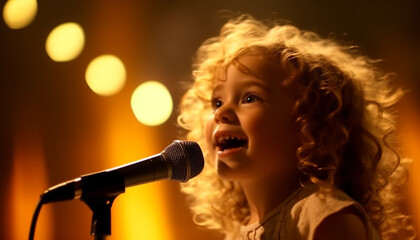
(250, 98)
(216, 103)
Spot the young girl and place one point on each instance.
(296, 133)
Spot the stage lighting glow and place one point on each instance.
(19, 13)
(151, 103)
(106, 75)
(65, 42)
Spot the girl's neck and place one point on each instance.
(263, 196)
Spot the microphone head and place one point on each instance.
(185, 158)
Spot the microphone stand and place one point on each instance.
(100, 199)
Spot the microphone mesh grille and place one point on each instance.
(182, 154)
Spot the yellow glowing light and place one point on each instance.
(19, 13)
(143, 213)
(151, 103)
(106, 75)
(65, 42)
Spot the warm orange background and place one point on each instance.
(54, 128)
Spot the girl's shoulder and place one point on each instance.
(311, 207)
(308, 211)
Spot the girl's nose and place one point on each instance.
(225, 114)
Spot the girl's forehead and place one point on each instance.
(256, 65)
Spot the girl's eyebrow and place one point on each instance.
(255, 82)
(216, 88)
(248, 82)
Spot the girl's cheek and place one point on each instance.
(208, 132)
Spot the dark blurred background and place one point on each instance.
(53, 127)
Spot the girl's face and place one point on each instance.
(251, 134)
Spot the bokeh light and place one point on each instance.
(19, 13)
(151, 103)
(65, 42)
(106, 75)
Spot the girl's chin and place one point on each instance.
(228, 171)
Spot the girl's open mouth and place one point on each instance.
(227, 142)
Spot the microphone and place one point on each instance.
(180, 161)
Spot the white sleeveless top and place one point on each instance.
(300, 214)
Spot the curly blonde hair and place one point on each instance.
(343, 111)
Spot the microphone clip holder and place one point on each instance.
(100, 199)
(101, 217)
